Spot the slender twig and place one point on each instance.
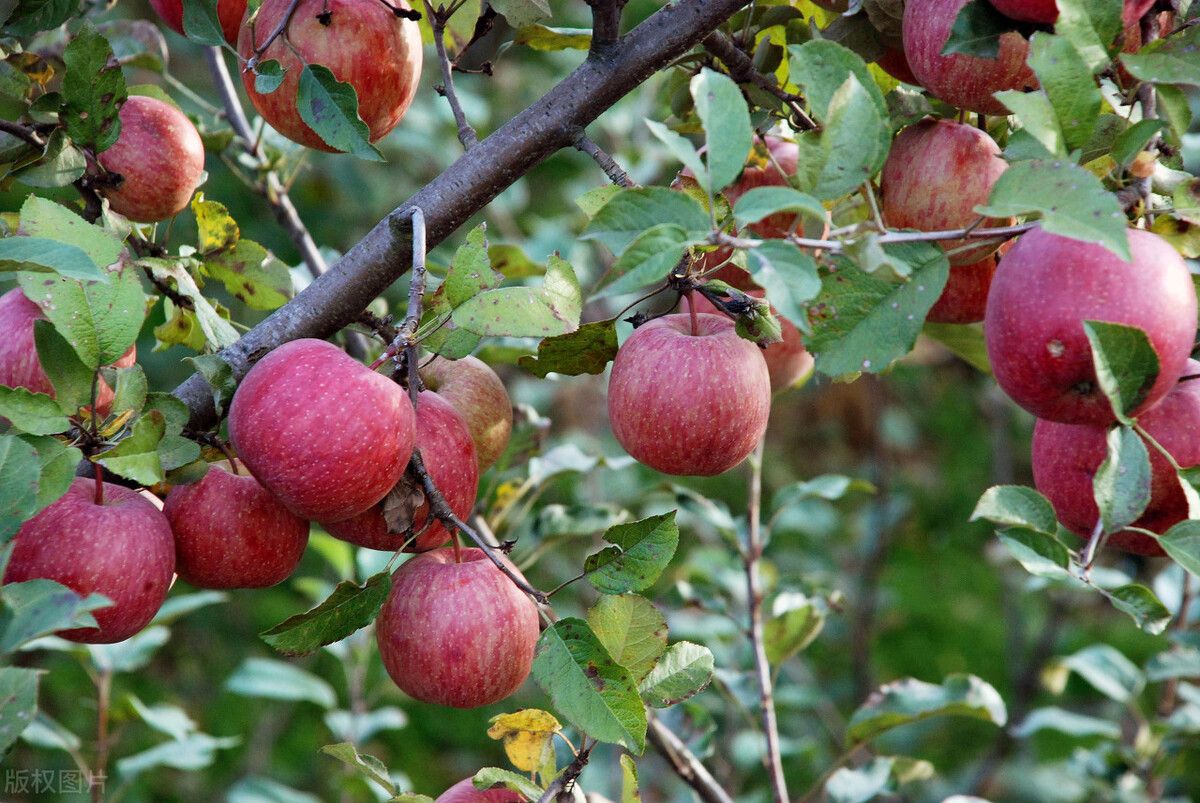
(103, 705)
(437, 20)
(741, 68)
(835, 247)
(606, 24)
(259, 49)
(611, 169)
(560, 788)
(22, 133)
(684, 762)
(1093, 545)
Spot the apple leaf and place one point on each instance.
(552, 309)
(977, 30)
(195, 751)
(19, 471)
(1071, 202)
(631, 629)
(1146, 610)
(131, 654)
(629, 780)
(39, 607)
(1060, 720)
(1040, 554)
(623, 218)
(1122, 483)
(271, 679)
(528, 737)
(587, 350)
(1107, 670)
(909, 700)
(58, 464)
(680, 147)
(1134, 139)
(268, 76)
(822, 67)
(216, 230)
(18, 690)
(330, 108)
(649, 259)
(641, 551)
(129, 388)
(100, 320)
(726, 120)
(589, 688)
(512, 261)
(42, 255)
(31, 17)
(862, 322)
(201, 23)
(364, 764)
(1182, 543)
(1016, 506)
(795, 621)
(93, 90)
(1066, 80)
(966, 341)
(41, 217)
(1180, 661)
(70, 378)
(789, 277)
(251, 274)
(1173, 59)
(684, 671)
(1127, 365)
(471, 271)
(219, 376)
(762, 202)
(216, 331)
(349, 608)
(35, 413)
(521, 13)
(494, 777)
(541, 37)
(854, 141)
(60, 164)
(1091, 26)
(136, 457)
(174, 450)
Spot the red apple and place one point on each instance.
(448, 452)
(361, 42)
(229, 13)
(457, 634)
(121, 548)
(19, 366)
(894, 63)
(964, 298)
(159, 157)
(1047, 10)
(321, 431)
(788, 362)
(968, 82)
(465, 792)
(935, 175)
(473, 388)
(1066, 457)
(230, 532)
(689, 403)
(1044, 289)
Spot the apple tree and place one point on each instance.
(890, 492)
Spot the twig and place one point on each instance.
(437, 20)
(22, 133)
(606, 24)
(560, 787)
(835, 247)
(611, 169)
(252, 62)
(684, 762)
(741, 68)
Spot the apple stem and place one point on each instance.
(99, 497)
(692, 311)
(457, 548)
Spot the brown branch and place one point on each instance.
(22, 133)
(684, 762)
(437, 20)
(741, 68)
(609, 165)
(606, 24)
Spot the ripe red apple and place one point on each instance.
(230, 532)
(788, 362)
(465, 792)
(475, 391)
(321, 431)
(967, 82)
(19, 366)
(229, 14)
(361, 42)
(1044, 289)
(121, 548)
(1066, 457)
(1047, 10)
(159, 157)
(964, 298)
(448, 452)
(935, 175)
(689, 403)
(457, 634)
(894, 63)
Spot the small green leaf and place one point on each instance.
(471, 271)
(789, 277)
(631, 629)
(217, 333)
(59, 462)
(41, 217)
(629, 780)
(93, 90)
(965, 341)
(1122, 483)
(100, 320)
(1016, 506)
(521, 13)
(822, 66)
(1140, 603)
(29, 18)
(169, 719)
(1066, 79)
(365, 765)
(490, 777)
(349, 608)
(855, 140)
(680, 147)
(552, 309)
(726, 121)
(41, 255)
(1126, 364)
(18, 693)
(277, 680)
(976, 31)
(1177, 662)
(1130, 142)
(540, 37)
(131, 654)
(641, 551)
(70, 378)
(202, 24)
(1092, 26)
(1182, 543)
(35, 413)
(268, 76)
(623, 218)
(794, 623)
(136, 457)
(911, 700)
(60, 164)
(19, 471)
(1173, 59)
(219, 376)
(587, 350)
(39, 607)
(651, 258)
(1057, 719)
(762, 202)
(1042, 555)
(1108, 671)
(330, 108)
(197, 751)
(683, 671)
(593, 692)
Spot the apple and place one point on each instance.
(320, 430)
(964, 298)
(362, 42)
(230, 532)
(456, 633)
(19, 366)
(788, 362)
(229, 13)
(159, 158)
(448, 452)
(473, 388)
(465, 792)
(1043, 290)
(894, 63)
(1046, 11)
(1066, 457)
(689, 402)
(935, 174)
(968, 82)
(120, 547)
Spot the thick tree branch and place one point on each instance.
(467, 186)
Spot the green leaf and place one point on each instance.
(910, 700)
(197, 751)
(1071, 202)
(39, 607)
(1092, 26)
(1177, 662)
(1122, 483)
(1066, 79)
(822, 66)
(251, 274)
(541, 37)
(349, 608)
(1016, 506)
(330, 108)
(35, 413)
(789, 277)
(631, 629)
(202, 24)
(93, 90)
(1056, 719)
(19, 470)
(129, 388)
(683, 671)
(641, 551)
(881, 775)
(593, 692)
(1182, 543)
(217, 332)
(1108, 671)
(1171, 60)
(623, 218)
(169, 719)
(489, 777)
(365, 765)
(18, 693)
(976, 31)
(174, 450)
(256, 789)
(1140, 603)
(131, 654)
(795, 621)
(1130, 142)
(471, 271)
(41, 255)
(59, 462)
(41, 217)
(521, 13)
(268, 76)
(60, 164)
(864, 323)
(33, 16)
(552, 309)
(854, 141)
(728, 133)
(680, 147)
(629, 780)
(587, 350)
(276, 680)
(136, 457)
(100, 320)
(219, 376)
(70, 378)
(1126, 364)
(762, 202)
(1042, 555)
(651, 258)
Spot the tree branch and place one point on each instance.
(437, 20)
(741, 68)
(685, 763)
(467, 186)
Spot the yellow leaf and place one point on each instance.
(218, 231)
(528, 737)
